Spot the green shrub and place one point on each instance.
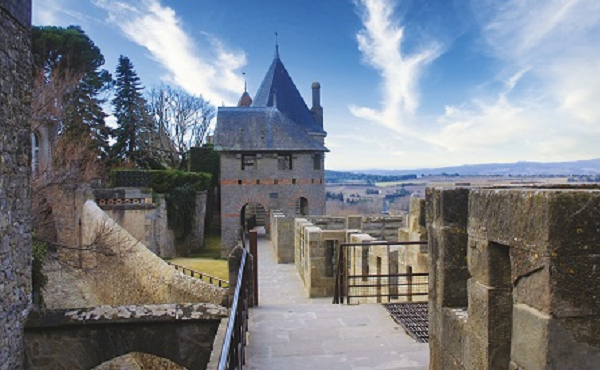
(181, 206)
(162, 181)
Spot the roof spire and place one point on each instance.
(276, 47)
(245, 82)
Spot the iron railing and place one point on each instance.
(234, 344)
(200, 275)
(369, 277)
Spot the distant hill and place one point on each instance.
(356, 178)
(585, 167)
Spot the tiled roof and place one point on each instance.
(278, 90)
(260, 129)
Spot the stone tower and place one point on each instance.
(272, 155)
(15, 194)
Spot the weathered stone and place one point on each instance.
(15, 193)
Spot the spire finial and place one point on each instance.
(276, 46)
(245, 82)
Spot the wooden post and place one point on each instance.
(254, 252)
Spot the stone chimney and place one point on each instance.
(317, 110)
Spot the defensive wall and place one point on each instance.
(15, 193)
(312, 244)
(514, 279)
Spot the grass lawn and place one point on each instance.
(208, 260)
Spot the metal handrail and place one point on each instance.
(342, 277)
(222, 283)
(233, 325)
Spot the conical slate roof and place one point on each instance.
(279, 91)
(260, 129)
(277, 120)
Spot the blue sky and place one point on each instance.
(405, 83)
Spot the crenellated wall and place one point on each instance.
(514, 279)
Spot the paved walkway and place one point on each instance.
(292, 332)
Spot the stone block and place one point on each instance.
(490, 312)
(517, 218)
(575, 285)
(452, 244)
(447, 207)
(452, 286)
(529, 345)
(354, 222)
(574, 223)
(532, 287)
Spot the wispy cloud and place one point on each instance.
(380, 42)
(547, 108)
(210, 71)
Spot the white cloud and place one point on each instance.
(380, 43)
(210, 71)
(547, 108)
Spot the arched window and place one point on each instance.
(35, 152)
(302, 206)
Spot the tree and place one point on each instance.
(68, 95)
(180, 116)
(131, 112)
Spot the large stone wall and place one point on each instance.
(413, 258)
(514, 279)
(148, 222)
(115, 268)
(84, 338)
(282, 237)
(266, 185)
(124, 271)
(15, 193)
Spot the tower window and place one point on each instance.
(317, 162)
(248, 161)
(284, 161)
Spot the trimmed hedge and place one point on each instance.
(204, 159)
(161, 181)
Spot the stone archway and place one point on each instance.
(253, 215)
(302, 206)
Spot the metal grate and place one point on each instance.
(413, 317)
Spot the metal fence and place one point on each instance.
(366, 273)
(200, 275)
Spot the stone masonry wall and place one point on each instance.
(413, 257)
(268, 186)
(282, 237)
(81, 339)
(126, 272)
(15, 193)
(530, 297)
(315, 254)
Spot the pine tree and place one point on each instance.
(68, 91)
(130, 109)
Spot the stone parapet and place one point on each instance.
(521, 263)
(182, 333)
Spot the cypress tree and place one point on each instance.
(130, 109)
